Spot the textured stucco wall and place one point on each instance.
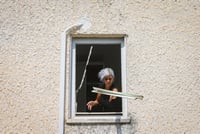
(163, 62)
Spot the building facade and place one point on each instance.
(161, 61)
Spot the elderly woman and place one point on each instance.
(108, 103)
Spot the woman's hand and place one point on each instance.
(113, 97)
(90, 104)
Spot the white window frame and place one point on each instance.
(71, 116)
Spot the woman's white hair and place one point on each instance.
(105, 72)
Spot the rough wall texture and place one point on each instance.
(163, 62)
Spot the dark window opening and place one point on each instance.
(102, 56)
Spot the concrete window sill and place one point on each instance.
(99, 119)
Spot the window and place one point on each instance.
(105, 52)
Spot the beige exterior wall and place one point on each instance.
(163, 62)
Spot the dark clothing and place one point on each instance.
(112, 106)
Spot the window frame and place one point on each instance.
(72, 117)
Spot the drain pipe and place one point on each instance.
(83, 24)
(64, 37)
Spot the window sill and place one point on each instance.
(99, 119)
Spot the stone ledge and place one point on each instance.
(99, 119)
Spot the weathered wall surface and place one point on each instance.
(163, 62)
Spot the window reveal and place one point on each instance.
(107, 52)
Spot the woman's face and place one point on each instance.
(108, 80)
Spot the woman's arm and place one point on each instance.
(90, 104)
